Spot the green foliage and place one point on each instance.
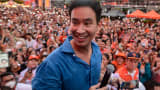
(19, 1)
(4, 0)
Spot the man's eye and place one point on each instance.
(87, 23)
(75, 22)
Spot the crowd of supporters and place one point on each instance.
(29, 35)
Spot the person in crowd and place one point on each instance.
(145, 71)
(119, 60)
(156, 73)
(30, 42)
(9, 82)
(28, 74)
(129, 74)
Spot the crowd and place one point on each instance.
(29, 35)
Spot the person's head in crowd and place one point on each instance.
(39, 38)
(18, 33)
(120, 58)
(145, 59)
(28, 36)
(101, 44)
(24, 49)
(34, 52)
(44, 55)
(105, 59)
(8, 81)
(158, 45)
(33, 61)
(14, 64)
(51, 48)
(158, 36)
(20, 59)
(158, 61)
(132, 61)
(105, 38)
(2, 70)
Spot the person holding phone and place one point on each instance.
(76, 64)
(128, 75)
(27, 74)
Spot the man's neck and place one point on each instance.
(130, 71)
(79, 49)
(82, 52)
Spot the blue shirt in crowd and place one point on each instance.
(63, 70)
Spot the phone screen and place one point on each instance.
(130, 85)
(4, 60)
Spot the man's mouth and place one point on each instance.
(81, 38)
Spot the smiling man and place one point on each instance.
(75, 65)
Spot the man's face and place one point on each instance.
(83, 25)
(32, 63)
(132, 64)
(7, 79)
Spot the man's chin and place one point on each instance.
(82, 44)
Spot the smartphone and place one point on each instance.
(130, 85)
(4, 60)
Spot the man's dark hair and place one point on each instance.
(6, 74)
(94, 4)
(106, 55)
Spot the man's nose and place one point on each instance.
(81, 29)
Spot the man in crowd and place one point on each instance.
(76, 64)
(27, 75)
(128, 75)
(9, 82)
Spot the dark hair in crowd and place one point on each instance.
(106, 55)
(94, 4)
(5, 74)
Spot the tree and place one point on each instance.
(4, 0)
(19, 1)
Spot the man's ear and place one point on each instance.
(69, 31)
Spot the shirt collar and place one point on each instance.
(67, 47)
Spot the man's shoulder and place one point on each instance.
(57, 56)
(95, 47)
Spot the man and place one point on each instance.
(76, 64)
(30, 42)
(27, 74)
(9, 82)
(128, 75)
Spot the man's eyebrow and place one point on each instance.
(74, 19)
(88, 19)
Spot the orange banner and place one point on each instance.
(47, 3)
(40, 4)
